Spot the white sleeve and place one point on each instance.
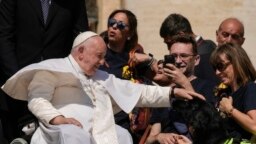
(127, 94)
(40, 92)
(154, 96)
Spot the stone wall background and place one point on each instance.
(204, 16)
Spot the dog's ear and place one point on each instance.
(180, 105)
(183, 108)
(187, 108)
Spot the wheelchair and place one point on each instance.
(14, 116)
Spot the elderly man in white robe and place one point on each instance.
(74, 101)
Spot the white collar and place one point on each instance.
(75, 64)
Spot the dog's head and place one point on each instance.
(203, 120)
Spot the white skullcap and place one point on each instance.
(83, 37)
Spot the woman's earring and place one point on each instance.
(128, 38)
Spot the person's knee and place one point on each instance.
(72, 130)
(72, 133)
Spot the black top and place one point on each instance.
(25, 39)
(116, 62)
(205, 88)
(244, 100)
(204, 69)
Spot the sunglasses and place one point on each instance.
(119, 24)
(233, 36)
(221, 66)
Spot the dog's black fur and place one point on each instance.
(208, 127)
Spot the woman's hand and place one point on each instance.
(180, 139)
(62, 120)
(226, 104)
(166, 138)
(148, 61)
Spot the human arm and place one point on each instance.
(151, 62)
(246, 120)
(40, 93)
(8, 60)
(145, 64)
(177, 77)
(62, 120)
(154, 131)
(162, 138)
(155, 96)
(181, 139)
(141, 95)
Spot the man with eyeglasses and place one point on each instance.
(181, 73)
(230, 30)
(177, 24)
(166, 123)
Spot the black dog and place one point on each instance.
(204, 122)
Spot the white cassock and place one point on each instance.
(59, 87)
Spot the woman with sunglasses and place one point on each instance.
(122, 41)
(235, 70)
(121, 38)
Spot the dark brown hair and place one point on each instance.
(175, 24)
(132, 27)
(184, 38)
(243, 67)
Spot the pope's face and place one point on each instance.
(92, 56)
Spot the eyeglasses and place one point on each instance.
(182, 56)
(119, 24)
(233, 36)
(221, 66)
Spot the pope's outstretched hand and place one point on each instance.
(186, 94)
